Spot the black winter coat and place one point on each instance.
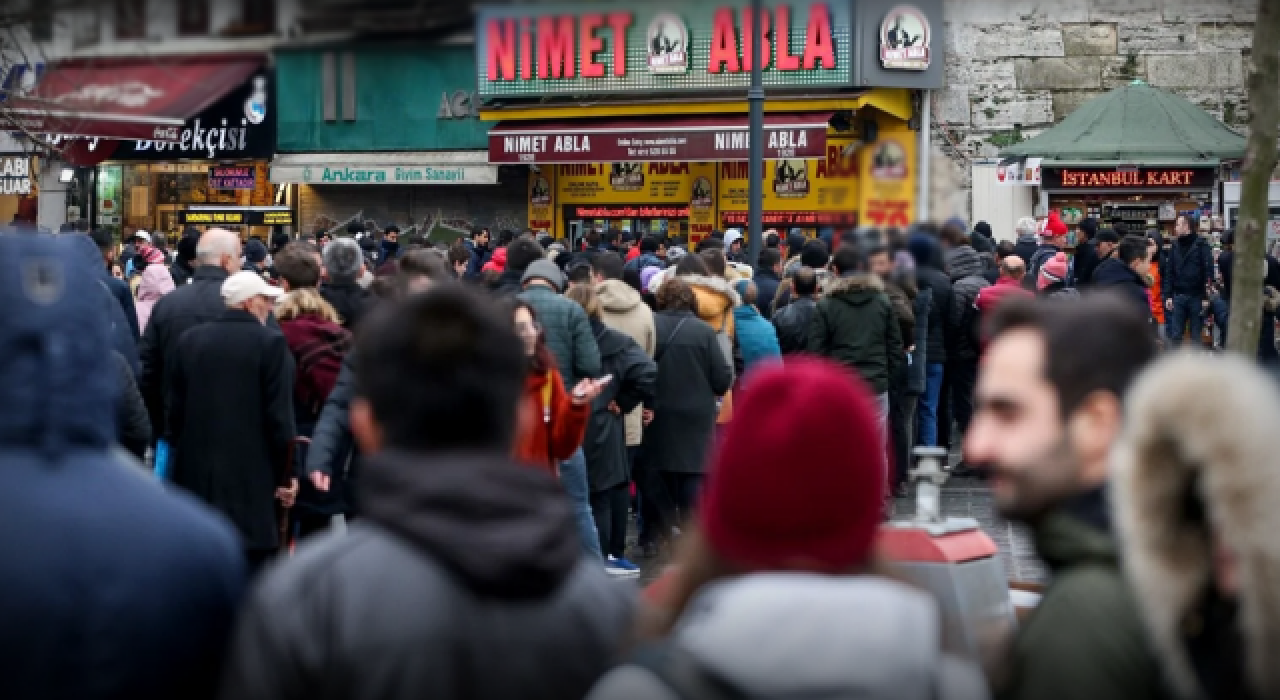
(1084, 263)
(939, 283)
(1024, 248)
(792, 325)
(967, 281)
(766, 289)
(855, 325)
(1116, 276)
(173, 315)
(692, 375)
(464, 580)
(231, 420)
(133, 426)
(635, 380)
(1188, 268)
(349, 299)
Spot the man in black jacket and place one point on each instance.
(186, 307)
(1086, 258)
(472, 557)
(231, 413)
(1124, 273)
(767, 278)
(1185, 281)
(924, 247)
(792, 321)
(343, 265)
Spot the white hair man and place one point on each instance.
(344, 264)
(200, 301)
(231, 413)
(1027, 231)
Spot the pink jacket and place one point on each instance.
(156, 282)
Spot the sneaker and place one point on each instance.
(621, 568)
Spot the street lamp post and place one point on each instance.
(755, 167)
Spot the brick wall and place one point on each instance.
(1017, 67)
(448, 207)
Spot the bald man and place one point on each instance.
(217, 257)
(1012, 270)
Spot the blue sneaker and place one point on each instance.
(621, 568)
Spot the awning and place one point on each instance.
(705, 138)
(384, 168)
(147, 99)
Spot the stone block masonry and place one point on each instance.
(1017, 67)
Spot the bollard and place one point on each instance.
(953, 559)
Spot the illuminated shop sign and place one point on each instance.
(1128, 178)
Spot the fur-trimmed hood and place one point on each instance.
(861, 282)
(1202, 427)
(718, 285)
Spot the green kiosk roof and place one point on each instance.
(1135, 124)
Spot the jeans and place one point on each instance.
(1186, 309)
(610, 509)
(927, 433)
(573, 476)
(1220, 309)
(964, 376)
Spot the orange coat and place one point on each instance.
(545, 443)
(1157, 304)
(716, 301)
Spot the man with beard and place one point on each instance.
(1049, 409)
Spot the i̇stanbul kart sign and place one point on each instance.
(537, 51)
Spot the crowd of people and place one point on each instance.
(490, 419)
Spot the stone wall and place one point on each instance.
(1017, 67)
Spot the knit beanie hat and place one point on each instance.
(798, 480)
(1053, 270)
(647, 275)
(544, 270)
(1054, 228)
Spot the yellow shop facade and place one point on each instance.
(636, 119)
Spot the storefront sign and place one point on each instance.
(15, 175)
(628, 212)
(887, 199)
(336, 174)
(232, 177)
(904, 39)
(236, 217)
(1137, 178)
(797, 192)
(729, 142)
(1020, 173)
(238, 126)
(459, 104)
(588, 48)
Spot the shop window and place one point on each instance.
(193, 17)
(131, 19)
(257, 17)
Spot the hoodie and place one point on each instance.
(465, 578)
(622, 309)
(799, 635)
(114, 587)
(929, 275)
(156, 282)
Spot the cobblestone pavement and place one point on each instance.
(961, 498)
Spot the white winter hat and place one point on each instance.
(245, 285)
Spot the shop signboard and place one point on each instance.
(15, 175)
(232, 177)
(570, 143)
(1136, 178)
(660, 47)
(239, 126)
(420, 174)
(237, 217)
(1021, 173)
(797, 192)
(887, 197)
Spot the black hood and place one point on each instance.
(505, 530)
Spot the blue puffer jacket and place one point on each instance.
(112, 587)
(756, 336)
(123, 335)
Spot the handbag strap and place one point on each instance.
(663, 348)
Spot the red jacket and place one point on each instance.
(544, 443)
(990, 297)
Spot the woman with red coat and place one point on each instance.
(553, 421)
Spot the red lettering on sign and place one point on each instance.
(590, 44)
(555, 47)
(733, 171)
(502, 49)
(837, 164)
(619, 22)
(889, 212)
(668, 168)
(818, 45)
(748, 36)
(724, 43)
(785, 61)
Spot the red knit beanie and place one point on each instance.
(798, 480)
(1054, 227)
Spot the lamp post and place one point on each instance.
(755, 166)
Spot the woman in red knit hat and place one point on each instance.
(775, 592)
(553, 420)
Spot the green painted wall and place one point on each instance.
(398, 94)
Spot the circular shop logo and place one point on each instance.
(668, 45)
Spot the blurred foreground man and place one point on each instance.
(1196, 485)
(465, 577)
(231, 413)
(111, 587)
(1048, 411)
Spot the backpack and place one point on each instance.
(319, 363)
